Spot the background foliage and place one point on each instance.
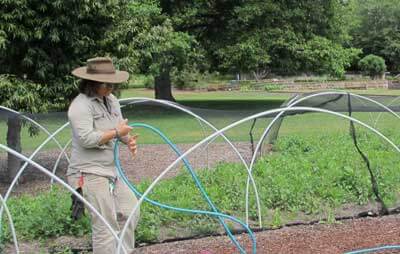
(42, 42)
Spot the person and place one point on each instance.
(96, 121)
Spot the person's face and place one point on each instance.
(105, 89)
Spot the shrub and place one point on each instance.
(322, 56)
(139, 81)
(373, 65)
(186, 79)
(272, 86)
(148, 82)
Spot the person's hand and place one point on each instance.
(132, 145)
(123, 128)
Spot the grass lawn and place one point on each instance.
(227, 108)
(249, 95)
(374, 91)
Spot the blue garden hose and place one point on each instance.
(198, 184)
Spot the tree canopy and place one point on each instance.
(42, 41)
(377, 30)
(281, 36)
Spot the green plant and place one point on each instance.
(276, 219)
(45, 215)
(376, 30)
(373, 65)
(186, 79)
(323, 56)
(245, 88)
(136, 80)
(148, 82)
(245, 85)
(312, 175)
(330, 218)
(272, 86)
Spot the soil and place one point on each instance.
(342, 237)
(320, 238)
(151, 160)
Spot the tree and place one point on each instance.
(246, 56)
(373, 65)
(147, 40)
(378, 30)
(323, 56)
(42, 41)
(268, 34)
(25, 96)
(167, 51)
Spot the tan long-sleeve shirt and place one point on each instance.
(89, 117)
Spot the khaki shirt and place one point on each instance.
(89, 117)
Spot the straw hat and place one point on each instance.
(101, 69)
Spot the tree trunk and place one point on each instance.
(162, 87)
(14, 142)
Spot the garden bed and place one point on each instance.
(299, 154)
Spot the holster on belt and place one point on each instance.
(77, 207)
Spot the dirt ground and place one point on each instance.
(150, 161)
(344, 236)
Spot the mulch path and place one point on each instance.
(345, 236)
(150, 161)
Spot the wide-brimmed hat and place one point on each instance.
(101, 69)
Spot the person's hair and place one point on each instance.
(89, 87)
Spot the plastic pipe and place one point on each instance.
(192, 173)
(152, 185)
(69, 188)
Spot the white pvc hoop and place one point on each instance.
(292, 103)
(152, 185)
(10, 220)
(174, 105)
(380, 113)
(21, 170)
(168, 103)
(58, 161)
(38, 125)
(69, 188)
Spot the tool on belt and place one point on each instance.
(77, 207)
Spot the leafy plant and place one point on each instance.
(373, 65)
(309, 175)
(272, 86)
(323, 56)
(45, 215)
